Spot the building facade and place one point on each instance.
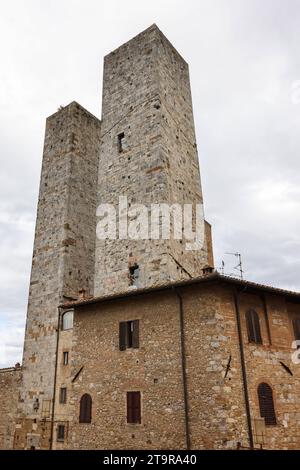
(138, 343)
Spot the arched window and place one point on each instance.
(266, 403)
(296, 327)
(67, 320)
(253, 327)
(85, 414)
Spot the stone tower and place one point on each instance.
(143, 149)
(63, 257)
(148, 154)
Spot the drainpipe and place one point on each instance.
(55, 375)
(244, 372)
(183, 369)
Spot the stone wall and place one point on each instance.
(215, 387)
(10, 388)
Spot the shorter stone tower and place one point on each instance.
(63, 259)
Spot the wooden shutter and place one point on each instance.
(135, 334)
(253, 327)
(296, 327)
(122, 335)
(134, 407)
(266, 403)
(85, 414)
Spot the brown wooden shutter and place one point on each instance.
(266, 403)
(85, 414)
(129, 408)
(253, 327)
(296, 327)
(134, 407)
(250, 328)
(135, 334)
(122, 335)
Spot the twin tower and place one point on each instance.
(143, 148)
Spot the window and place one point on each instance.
(120, 141)
(61, 433)
(296, 328)
(63, 395)
(128, 334)
(253, 327)
(134, 407)
(67, 320)
(266, 404)
(134, 273)
(46, 406)
(85, 413)
(65, 358)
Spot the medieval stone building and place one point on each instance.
(139, 343)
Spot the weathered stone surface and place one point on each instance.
(64, 250)
(147, 97)
(10, 380)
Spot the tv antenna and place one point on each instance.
(239, 265)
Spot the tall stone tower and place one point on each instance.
(144, 149)
(63, 258)
(149, 155)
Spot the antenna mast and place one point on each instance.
(239, 266)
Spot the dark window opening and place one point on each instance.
(120, 141)
(65, 358)
(266, 404)
(253, 327)
(85, 413)
(134, 407)
(129, 334)
(63, 395)
(134, 274)
(296, 328)
(61, 432)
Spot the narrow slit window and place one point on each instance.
(121, 137)
(63, 395)
(134, 274)
(65, 358)
(60, 433)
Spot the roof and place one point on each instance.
(213, 277)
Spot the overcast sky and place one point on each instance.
(244, 65)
